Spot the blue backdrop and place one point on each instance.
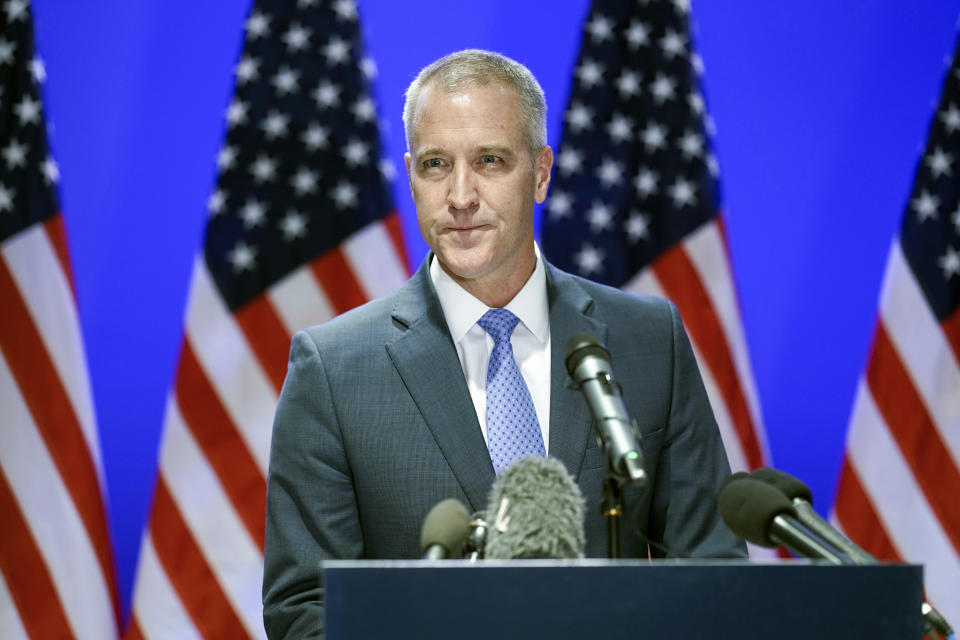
(821, 109)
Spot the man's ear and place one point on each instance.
(407, 160)
(541, 168)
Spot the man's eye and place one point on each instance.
(432, 163)
(490, 159)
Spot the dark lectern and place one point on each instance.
(603, 599)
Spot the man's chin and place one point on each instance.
(461, 265)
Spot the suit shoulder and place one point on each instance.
(360, 325)
(612, 302)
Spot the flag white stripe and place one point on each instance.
(156, 604)
(706, 251)
(230, 366)
(374, 263)
(923, 349)
(299, 301)
(646, 282)
(731, 442)
(233, 557)
(47, 294)
(11, 627)
(52, 517)
(901, 505)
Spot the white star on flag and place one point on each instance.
(600, 217)
(589, 260)
(683, 192)
(569, 160)
(242, 257)
(950, 263)
(590, 73)
(926, 205)
(646, 182)
(579, 117)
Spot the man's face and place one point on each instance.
(474, 185)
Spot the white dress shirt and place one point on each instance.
(530, 340)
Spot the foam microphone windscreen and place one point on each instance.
(748, 506)
(535, 511)
(446, 525)
(790, 486)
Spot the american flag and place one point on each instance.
(301, 228)
(57, 577)
(899, 490)
(634, 201)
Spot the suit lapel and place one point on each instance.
(426, 359)
(571, 423)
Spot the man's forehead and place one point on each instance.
(441, 112)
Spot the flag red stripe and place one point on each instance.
(340, 285)
(44, 394)
(395, 231)
(905, 413)
(26, 574)
(682, 285)
(222, 445)
(134, 632)
(267, 337)
(951, 331)
(58, 239)
(188, 572)
(858, 517)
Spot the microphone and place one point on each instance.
(536, 510)
(802, 499)
(588, 363)
(476, 542)
(444, 530)
(763, 515)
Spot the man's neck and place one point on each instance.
(493, 291)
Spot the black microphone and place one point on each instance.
(444, 530)
(535, 510)
(763, 515)
(802, 499)
(588, 363)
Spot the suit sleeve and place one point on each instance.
(693, 466)
(311, 506)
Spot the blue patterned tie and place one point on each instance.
(512, 427)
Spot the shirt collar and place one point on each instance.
(462, 309)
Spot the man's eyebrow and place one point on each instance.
(429, 151)
(491, 149)
(495, 149)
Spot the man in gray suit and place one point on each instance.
(385, 409)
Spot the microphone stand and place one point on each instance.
(631, 473)
(612, 508)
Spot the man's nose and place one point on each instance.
(462, 192)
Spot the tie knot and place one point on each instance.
(499, 323)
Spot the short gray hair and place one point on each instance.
(478, 67)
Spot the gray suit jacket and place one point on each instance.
(375, 426)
